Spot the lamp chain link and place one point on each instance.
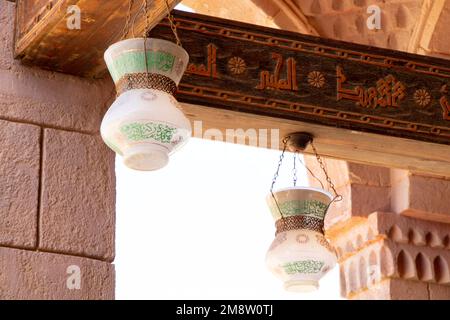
(126, 28)
(173, 26)
(170, 17)
(337, 197)
(147, 21)
(294, 170)
(274, 180)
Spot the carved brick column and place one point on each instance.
(391, 232)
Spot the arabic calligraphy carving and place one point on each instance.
(206, 71)
(444, 103)
(273, 81)
(388, 93)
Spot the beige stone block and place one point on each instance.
(394, 289)
(439, 292)
(422, 197)
(78, 195)
(19, 183)
(380, 291)
(358, 201)
(343, 173)
(37, 275)
(408, 290)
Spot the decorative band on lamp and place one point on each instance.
(145, 124)
(300, 255)
(299, 222)
(146, 81)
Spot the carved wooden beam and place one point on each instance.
(364, 104)
(44, 39)
(361, 103)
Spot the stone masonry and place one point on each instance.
(57, 186)
(391, 232)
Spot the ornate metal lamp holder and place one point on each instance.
(145, 124)
(300, 255)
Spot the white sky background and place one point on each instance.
(200, 227)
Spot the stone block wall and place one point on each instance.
(57, 181)
(391, 232)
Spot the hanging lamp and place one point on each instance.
(300, 255)
(145, 124)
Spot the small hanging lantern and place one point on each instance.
(300, 255)
(145, 124)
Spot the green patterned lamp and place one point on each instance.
(145, 124)
(300, 255)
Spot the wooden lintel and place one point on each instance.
(332, 142)
(48, 37)
(363, 104)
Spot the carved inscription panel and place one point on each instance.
(282, 74)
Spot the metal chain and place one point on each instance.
(147, 22)
(126, 28)
(170, 17)
(294, 170)
(311, 173)
(173, 26)
(280, 162)
(337, 197)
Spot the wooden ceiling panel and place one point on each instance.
(44, 39)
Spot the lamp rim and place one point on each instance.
(169, 43)
(328, 194)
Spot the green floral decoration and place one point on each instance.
(312, 208)
(143, 131)
(133, 62)
(305, 266)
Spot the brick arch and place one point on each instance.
(416, 237)
(363, 272)
(441, 270)
(353, 276)
(386, 262)
(424, 268)
(405, 265)
(433, 240)
(396, 234)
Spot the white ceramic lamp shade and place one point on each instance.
(300, 255)
(145, 124)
